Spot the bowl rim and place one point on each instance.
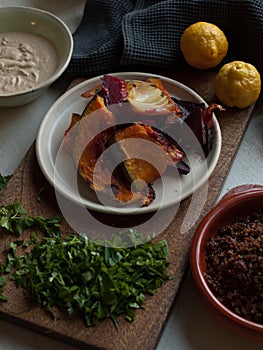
(230, 199)
(64, 65)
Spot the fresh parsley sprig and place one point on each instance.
(14, 218)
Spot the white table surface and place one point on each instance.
(191, 326)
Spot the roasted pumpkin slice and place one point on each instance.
(88, 149)
(72, 132)
(69, 134)
(140, 198)
(94, 169)
(147, 154)
(86, 139)
(97, 102)
(91, 157)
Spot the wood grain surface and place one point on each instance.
(28, 182)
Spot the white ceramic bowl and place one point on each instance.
(33, 20)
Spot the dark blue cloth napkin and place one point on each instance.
(114, 34)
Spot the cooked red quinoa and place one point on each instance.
(234, 258)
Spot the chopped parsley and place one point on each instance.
(96, 281)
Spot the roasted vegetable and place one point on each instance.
(147, 97)
(208, 126)
(173, 107)
(140, 157)
(140, 197)
(199, 119)
(134, 111)
(88, 139)
(114, 90)
(187, 107)
(68, 135)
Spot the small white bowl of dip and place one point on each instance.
(35, 49)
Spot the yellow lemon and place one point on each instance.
(238, 84)
(203, 45)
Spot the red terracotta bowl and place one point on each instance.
(238, 202)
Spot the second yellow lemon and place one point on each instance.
(203, 45)
(238, 84)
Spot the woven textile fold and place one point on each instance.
(117, 33)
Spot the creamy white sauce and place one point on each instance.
(26, 60)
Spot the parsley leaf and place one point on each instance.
(14, 218)
(3, 181)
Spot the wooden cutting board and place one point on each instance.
(28, 182)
